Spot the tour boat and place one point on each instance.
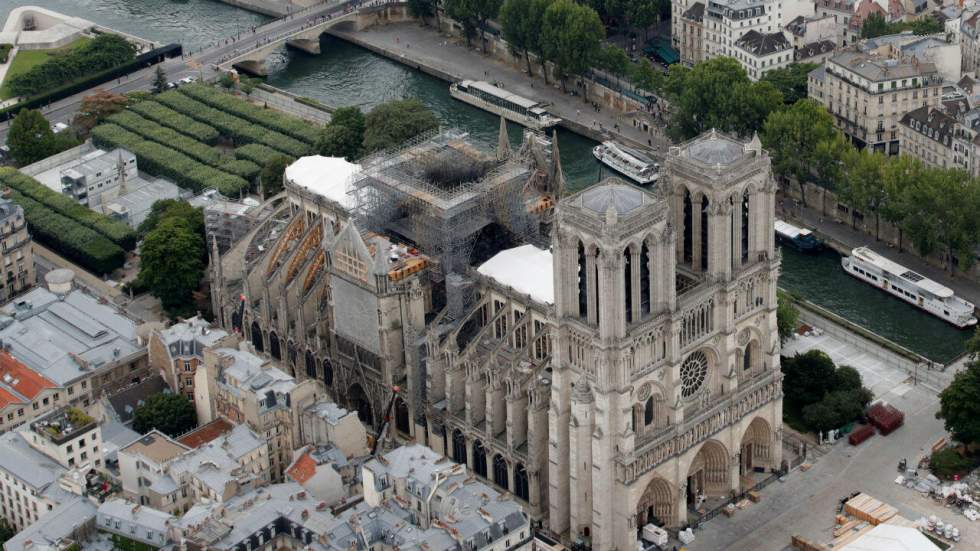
(909, 286)
(630, 162)
(800, 239)
(498, 101)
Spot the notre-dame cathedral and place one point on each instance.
(610, 357)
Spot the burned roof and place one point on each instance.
(759, 44)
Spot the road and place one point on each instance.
(201, 63)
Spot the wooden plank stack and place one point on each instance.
(869, 509)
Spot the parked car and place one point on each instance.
(59, 127)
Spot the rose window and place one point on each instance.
(694, 370)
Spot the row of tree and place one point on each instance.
(105, 51)
(352, 134)
(875, 25)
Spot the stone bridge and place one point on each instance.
(307, 40)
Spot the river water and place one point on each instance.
(346, 75)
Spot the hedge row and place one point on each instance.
(82, 245)
(242, 167)
(273, 120)
(165, 162)
(161, 114)
(239, 130)
(114, 230)
(258, 153)
(164, 136)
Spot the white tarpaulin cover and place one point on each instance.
(889, 537)
(527, 269)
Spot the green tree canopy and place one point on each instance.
(791, 81)
(874, 26)
(167, 208)
(959, 405)
(30, 138)
(159, 80)
(344, 136)
(169, 413)
(793, 137)
(571, 34)
(861, 185)
(718, 94)
(521, 25)
(423, 9)
(927, 25)
(613, 60)
(171, 264)
(271, 176)
(646, 76)
(787, 316)
(393, 123)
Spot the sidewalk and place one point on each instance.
(414, 45)
(851, 238)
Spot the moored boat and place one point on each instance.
(800, 239)
(630, 162)
(498, 101)
(909, 286)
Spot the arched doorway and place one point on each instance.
(236, 321)
(751, 358)
(327, 372)
(479, 459)
(310, 365)
(756, 447)
(401, 417)
(459, 447)
(359, 401)
(274, 346)
(500, 472)
(291, 357)
(521, 486)
(257, 337)
(709, 474)
(656, 505)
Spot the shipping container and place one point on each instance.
(885, 417)
(860, 434)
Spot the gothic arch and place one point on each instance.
(500, 474)
(257, 337)
(755, 450)
(275, 347)
(236, 321)
(291, 356)
(459, 447)
(310, 362)
(521, 485)
(709, 473)
(402, 421)
(327, 372)
(359, 401)
(656, 505)
(750, 360)
(479, 459)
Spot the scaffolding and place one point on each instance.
(440, 190)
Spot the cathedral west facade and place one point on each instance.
(620, 368)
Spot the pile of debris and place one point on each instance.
(962, 496)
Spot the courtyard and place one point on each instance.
(806, 502)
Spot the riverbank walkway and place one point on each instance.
(448, 57)
(787, 209)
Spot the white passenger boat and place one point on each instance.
(800, 239)
(498, 101)
(909, 286)
(630, 162)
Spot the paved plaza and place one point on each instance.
(805, 504)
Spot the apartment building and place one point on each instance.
(691, 37)
(868, 95)
(16, 251)
(178, 350)
(939, 140)
(245, 389)
(760, 53)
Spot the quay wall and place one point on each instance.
(271, 8)
(281, 100)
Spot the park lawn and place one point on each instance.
(26, 60)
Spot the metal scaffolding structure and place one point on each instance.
(441, 190)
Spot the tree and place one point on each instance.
(170, 413)
(959, 405)
(168, 208)
(516, 20)
(171, 264)
(875, 25)
(465, 12)
(344, 136)
(787, 316)
(792, 137)
(534, 24)
(227, 80)
(718, 94)
(947, 462)
(791, 81)
(271, 176)
(927, 25)
(835, 410)
(613, 60)
(393, 123)
(645, 76)
(571, 35)
(485, 11)
(423, 9)
(30, 138)
(847, 378)
(96, 107)
(807, 378)
(643, 13)
(6, 531)
(861, 185)
(159, 80)
(898, 178)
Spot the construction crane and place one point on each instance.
(385, 420)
